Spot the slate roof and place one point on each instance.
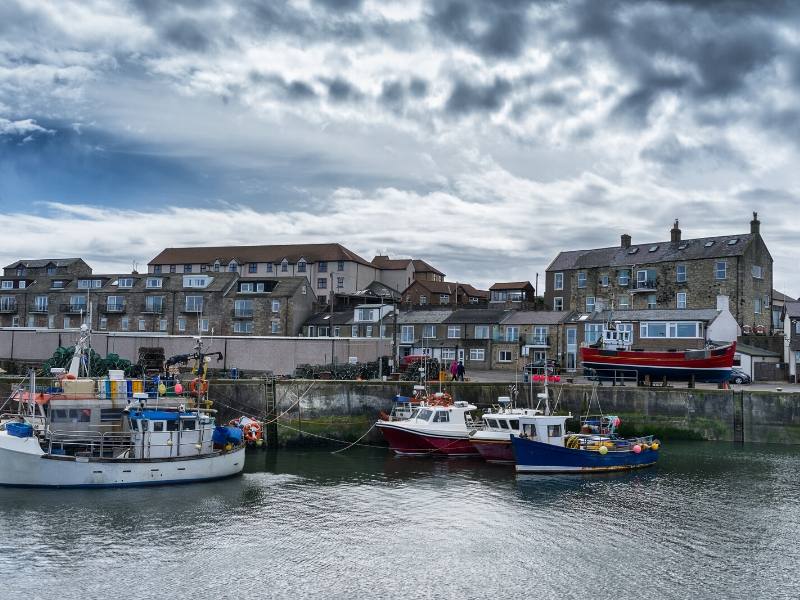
(265, 254)
(422, 267)
(692, 249)
(471, 291)
(422, 316)
(170, 282)
(390, 264)
(477, 316)
(776, 295)
(756, 351)
(653, 314)
(511, 285)
(793, 309)
(326, 318)
(43, 262)
(535, 317)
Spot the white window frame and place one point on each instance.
(453, 332)
(505, 356)
(624, 277)
(680, 273)
(680, 300)
(757, 271)
(581, 279)
(406, 334)
(429, 331)
(723, 271)
(276, 306)
(558, 281)
(592, 304)
(154, 283)
(444, 298)
(181, 323)
(194, 298)
(482, 332)
(477, 354)
(511, 333)
(624, 305)
(757, 306)
(558, 303)
(204, 325)
(125, 282)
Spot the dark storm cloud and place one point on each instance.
(188, 34)
(418, 87)
(393, 94)
(294, 90)
(466, 97)
(668, 151)
(495, 30)
(339, 5)
(341, 90)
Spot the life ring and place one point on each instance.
(198, 386)
(252, 431)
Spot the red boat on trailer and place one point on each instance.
(611, 358)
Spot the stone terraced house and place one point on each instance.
(679, 274)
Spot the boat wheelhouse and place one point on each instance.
(498, 425)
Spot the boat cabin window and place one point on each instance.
(503, 424)
(441, 416)
(529, 431)
(158, 425)
(514, 424)
(73, 415)
(554, 430)
(188, 424)
(414, 413)
(492, 423)
(143, 424)
(424, 415)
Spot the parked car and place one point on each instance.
(537, 367)
(739, 376)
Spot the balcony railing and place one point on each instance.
(153, 309)
(242, 313)
(533, 339)
(38, 308)
(645, 286)
(499, 337)
(192, 310)
(113, 307)
(8, 307)
(72, 308)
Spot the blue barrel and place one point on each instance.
(234, 373)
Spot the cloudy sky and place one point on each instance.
(482, 136)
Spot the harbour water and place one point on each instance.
(713, 520)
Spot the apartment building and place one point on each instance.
(679, 274)
(328, 268)
(222, 302)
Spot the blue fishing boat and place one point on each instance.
(543, 446)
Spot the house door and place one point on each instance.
(572, 348)
(461, 354)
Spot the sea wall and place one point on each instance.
(316, 412)
(311, 411)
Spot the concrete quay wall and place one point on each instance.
(311, 411)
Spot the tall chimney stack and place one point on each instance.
(625, 239)
(675, 233)
(755, 224)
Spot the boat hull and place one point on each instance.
(675, 366)
(495, 451)
(410, 442)
(23, 464)
(538, 457)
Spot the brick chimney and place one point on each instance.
(625, 239)
(755, 224)
(675, 233)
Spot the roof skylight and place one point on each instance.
(683, 246)
(633, 251)
(653, 248)
(709, 244)
(733, 241)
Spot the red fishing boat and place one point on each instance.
(438, 427)
(611, 357)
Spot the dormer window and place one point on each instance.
(216, 266)
(154, 282)
(284, 266)
(51, 269)
(85, 284)
(301, 266)
(233, 267)
(125, 282)
(57, 284)
(20, 271)
(8, 285)
(196, 281)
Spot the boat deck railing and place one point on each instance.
(615, 376)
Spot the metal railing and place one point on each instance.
(615, 376)
(114, 307)
(72, 308)
(38, 308)
(242, 313)
(645, 286)
(153, 309)
(8, 307)
(534, 339)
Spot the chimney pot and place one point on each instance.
(755, 224)
(675, 232)
(625, 240)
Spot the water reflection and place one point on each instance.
(711, 521)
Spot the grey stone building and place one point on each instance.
(677, 274)
(222, 303)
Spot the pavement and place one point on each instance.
(510, 377)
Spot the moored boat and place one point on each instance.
(543, 446)
(434, 429)
(74, 434)
(493, 439)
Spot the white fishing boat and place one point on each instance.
(493, 439)
(76, 434)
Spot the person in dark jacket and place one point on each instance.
(460, 370)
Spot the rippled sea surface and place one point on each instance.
(711, 521)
